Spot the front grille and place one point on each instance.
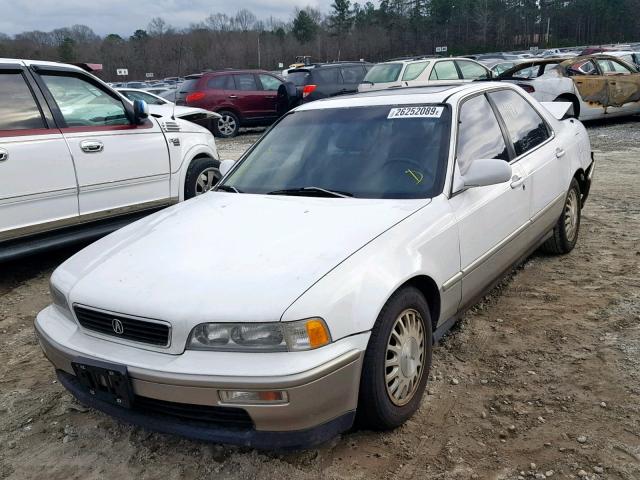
(127, 328)
(229, 417)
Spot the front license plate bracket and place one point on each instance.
(108, 382)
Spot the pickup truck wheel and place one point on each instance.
(201, 177)
(227, 126)
(565, 232)
(397, 362)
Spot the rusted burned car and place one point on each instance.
(598, 86)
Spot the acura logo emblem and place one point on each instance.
(117, 326)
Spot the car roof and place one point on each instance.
(28, 63)
(422, 59)
(402, 96)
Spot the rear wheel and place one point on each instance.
(228, 125)
(201, 177)
(565, 232)
(397, 362)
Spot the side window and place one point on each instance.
(221, 82)
(352, 74)
(18, 108)
(150, 99)
(526, 127)
(414, 70)
(472, 71)
(617, 67)
(584, 67)
(479, 134)
(324, 76)
(444, 71)
(83, 104)
(269, 83)
(245, 82)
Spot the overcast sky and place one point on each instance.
(125, 16)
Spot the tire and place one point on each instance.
(227, 126)
(201, 176)
(565, 232)
(379, 406)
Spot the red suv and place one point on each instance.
(243, 98)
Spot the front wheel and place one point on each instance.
(201, 177)
(227, 125)
(565, 232)
(397, 362)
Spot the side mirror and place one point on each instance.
(225, 166)
(486, 172)
(140, 110)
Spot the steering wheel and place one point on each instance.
(414, 173)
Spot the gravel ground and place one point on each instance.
(540, 380)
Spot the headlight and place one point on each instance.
(260, 337)
(60, 301)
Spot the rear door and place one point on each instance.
(592, 86)
(269, 87)
(247, 96)
(623, 85)
(38, 189)
(538, 154)
(120, 167)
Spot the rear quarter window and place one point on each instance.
(325, 76)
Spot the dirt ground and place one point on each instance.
(540, 380)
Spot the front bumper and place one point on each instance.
(321, 400)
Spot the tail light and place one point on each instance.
(526, 87)
(194, 97)
(308, 90)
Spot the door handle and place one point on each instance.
(516, 181)
(233, 96)
(91, 146)
(560, 153)
(271, 97)
(4, 155)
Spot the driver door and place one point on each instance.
(120, 167)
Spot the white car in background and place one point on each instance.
(77, 160)
(159, 106)
(598, 86)
(421, 72)
(313, 280)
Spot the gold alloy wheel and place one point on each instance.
(404, 359)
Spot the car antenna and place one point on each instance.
(175, 95)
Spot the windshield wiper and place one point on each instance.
(228, 188)
(303, 190)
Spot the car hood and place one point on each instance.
(225, 257)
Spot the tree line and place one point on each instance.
(349, 31)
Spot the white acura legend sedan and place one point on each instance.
(310, 286)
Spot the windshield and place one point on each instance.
(365, 152)
(383, 73)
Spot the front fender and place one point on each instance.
(350, 297)
(179, 174)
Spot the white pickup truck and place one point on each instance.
(78, 161)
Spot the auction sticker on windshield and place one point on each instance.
(416, 112)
